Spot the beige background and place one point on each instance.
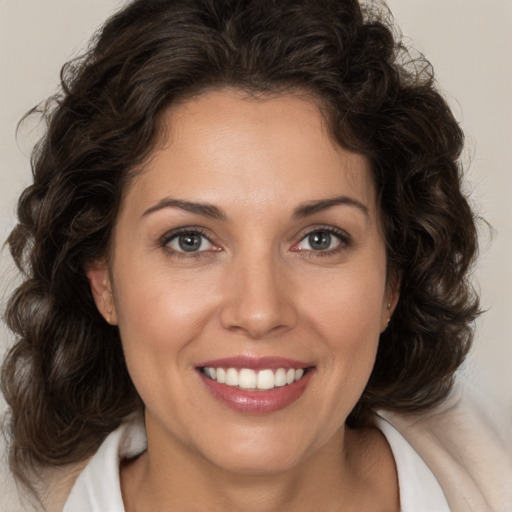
(469, 43)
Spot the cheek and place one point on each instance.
(348, 317)
(161, 312)
(159, 319)
(350, 302)
(352, 334)
(160, 308)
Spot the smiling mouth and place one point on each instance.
(255, 385)
(254, 380)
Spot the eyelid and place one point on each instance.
(344, 239)
(185, 230)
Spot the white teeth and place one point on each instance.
(266, 379)
(280, 377)
(221, 375)
(232, 377)
(247, 378)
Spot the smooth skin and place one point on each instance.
(250, 232)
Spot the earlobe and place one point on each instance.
(391, 300)
(101, 287)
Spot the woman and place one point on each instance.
(246, 239)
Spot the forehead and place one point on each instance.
(224, 144)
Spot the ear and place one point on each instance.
(101, 287)
(390, 301)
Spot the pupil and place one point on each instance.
(189, 242)
(320, 240)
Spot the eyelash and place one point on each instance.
(170, 236)
(343, 238)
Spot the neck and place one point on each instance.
(352, 470)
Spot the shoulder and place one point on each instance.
(467, 445)
(97, 487)
(52, 488)
(56, 487)
(56, 484)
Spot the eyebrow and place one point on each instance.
(313, 207)
(211, 211)
(204, 209)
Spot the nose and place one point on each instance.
(259, 298)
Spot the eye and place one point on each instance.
(189, 242)
(322, 241)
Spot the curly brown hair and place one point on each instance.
(65, 378)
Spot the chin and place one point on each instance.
(261, 452)
(257, 462)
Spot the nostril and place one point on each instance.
(257, 302)
(257, 320)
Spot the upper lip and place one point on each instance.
(255, 363)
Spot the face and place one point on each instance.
(249, 282)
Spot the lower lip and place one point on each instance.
(257, 402)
